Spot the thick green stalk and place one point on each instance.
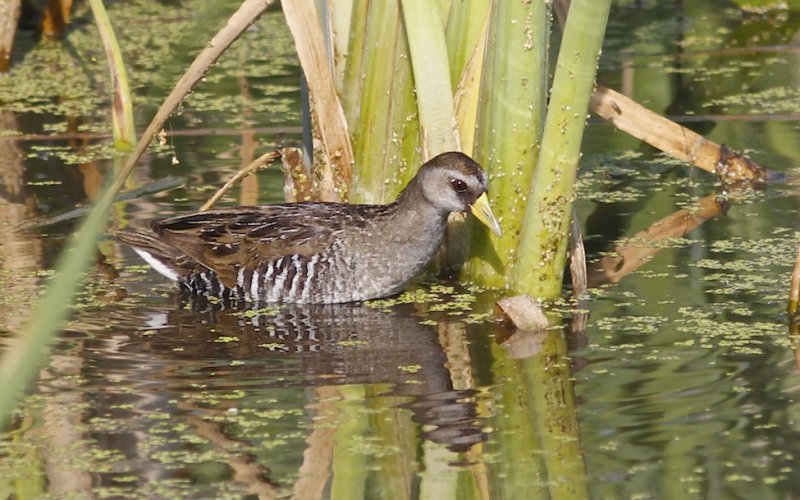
(386, 133)
(123, 127)
(392, 429)
(511, 114)
(426, 42)
(543, 241)
(439, 478)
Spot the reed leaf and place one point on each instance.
(342, 14)
(352, 66)
(386, 134)
(20, 362)
(467, 94)
(543, 240)
(465, 27)
(429, 60)
(124, 131)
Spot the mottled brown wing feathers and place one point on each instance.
(160, 250)
(227, 240)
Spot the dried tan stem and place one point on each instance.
(260, 162)
(675, 140)
(303, 21)
(9, 17)
(666, 135)
(236, 25)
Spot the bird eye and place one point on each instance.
(459, 186)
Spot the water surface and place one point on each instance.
(683, 384)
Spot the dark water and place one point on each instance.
(683, 385)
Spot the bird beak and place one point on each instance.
(483, 212)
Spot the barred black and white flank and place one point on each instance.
(316, 252)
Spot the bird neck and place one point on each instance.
(414, 214)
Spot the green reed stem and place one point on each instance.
(539, 268)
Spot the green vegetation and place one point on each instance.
(685, 383)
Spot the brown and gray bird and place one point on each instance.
(313, 252)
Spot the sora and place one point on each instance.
(316, 252)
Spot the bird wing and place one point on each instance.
(227, 240)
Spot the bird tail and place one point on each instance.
(162, 257)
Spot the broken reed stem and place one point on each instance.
(625, 259)
(577, 259)
(260, 162)
(663, 133)
(794, 290)
(671, 138)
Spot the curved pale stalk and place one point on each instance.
(539, 268)
(551, 392)
(516, 441)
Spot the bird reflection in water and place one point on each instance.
(325, 345)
